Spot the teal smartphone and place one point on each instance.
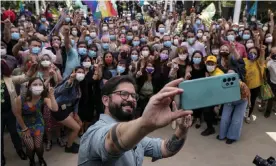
(210, 91)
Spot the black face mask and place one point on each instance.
(273, 56)
(224, 54)
(123, 55)
(118, 113)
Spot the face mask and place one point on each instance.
(149, 70)
(3, 51)
(43, 19)
(175, 42)
(253, 19)
(111, 26)
(224, 54)
(121, 69)
(105, 28)
(191, 40)
(240, 33)
(198, 22)
(83, 23)
(135, 28)
(252, 56)
(86, 64)
(45, 63)
(135, 43)
(265, 28)
(246, 37)
(15, 36)
(188, 21)
(167, 43)
(161, 30)
(74, 33)
(249, 45)
(67, 19)
(269, 39)
(210, 68)
(215, 51)
(196, 60)
(37, 90)
(129, 38)
(36, 50)
(183, 56)
(145, 53)
(92, 53)
(199, 35)
(235, 29)
(123, 31)
(80, 76)
(231, 38)
(123, 40)
(134, 57)
(164, 56)
(273, 57)
(112, 37)
(87, 38)
(82, 51)
(105, 46)
(143, 40)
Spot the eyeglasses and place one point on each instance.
(125, 95)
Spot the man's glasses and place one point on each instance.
(125, 95)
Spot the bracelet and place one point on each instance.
(25, 129)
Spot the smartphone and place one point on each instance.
(210, 91)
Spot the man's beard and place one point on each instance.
(117, 112)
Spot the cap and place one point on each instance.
(211, 58)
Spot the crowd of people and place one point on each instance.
(53, 73)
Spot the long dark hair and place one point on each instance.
(29, 92)
(202, 59)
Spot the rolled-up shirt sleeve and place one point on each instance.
(93, 145)
(152, 148)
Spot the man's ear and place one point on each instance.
(105, 100)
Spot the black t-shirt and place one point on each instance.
(10, 46)
(5, 98)
(195, 73)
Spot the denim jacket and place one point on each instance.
(68, 94)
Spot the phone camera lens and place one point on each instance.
(229, 79)
(224, 80)
(232, 83)
(234, 78)
(227, 84)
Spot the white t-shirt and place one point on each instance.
(271, 66)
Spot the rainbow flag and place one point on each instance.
(101, 8)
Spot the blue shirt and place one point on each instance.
(92, 150)
(73, 60)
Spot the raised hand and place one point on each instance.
(51, 91)
(158, 113)
(33, 69)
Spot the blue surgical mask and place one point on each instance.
(135, 43)
(121, 69)
(129, 37)
(246, 37)
(143, 39)
(105, 46)
(196, 60)
(161, 30)
(198, 22)
(43, 19)
(231, 38)
(82, 51)
(112, 37)
(36, 50)
(92, 53)
(15, 36)
(134, 57)
(168, 43)
(191, 40)
(235, 29)
(87, 38)
(72, 42)
(67, 19)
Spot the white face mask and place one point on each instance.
(80, 76)
(3, 51)
(45, 63)
(183, 56)
(37, 90)
(105, 28)
(210, 68)
(86, 64)
(265, 28)
(93, 34)
(269, 39)
(135, 28)
(145, 53)
(199, 35)
(188, 21)
(249, 45)
(175, 42)
(74, 33)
